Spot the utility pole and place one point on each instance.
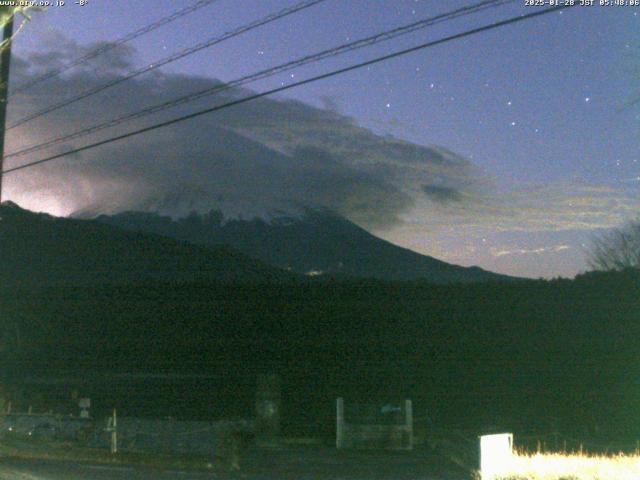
(5, 63)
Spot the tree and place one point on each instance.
(617, 250)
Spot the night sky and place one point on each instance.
(529, 133)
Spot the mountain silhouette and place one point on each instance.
(317, 242)
(38, 249)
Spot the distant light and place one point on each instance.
(587, 99)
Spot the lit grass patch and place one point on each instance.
(572, 466)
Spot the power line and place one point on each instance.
(177, 56)
(344, 48)
(105, 48)
(316, 78)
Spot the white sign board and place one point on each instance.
(496, 454)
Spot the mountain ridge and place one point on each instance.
(318, 242)
(39, 249)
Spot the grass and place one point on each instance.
(572, 466)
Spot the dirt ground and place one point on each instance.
(323, 462)
(283, 462)
(299, 463)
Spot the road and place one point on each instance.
(280, 464)
(19, 469)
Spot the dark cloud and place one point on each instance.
(113, 57)
(441, 194)
(251, 159)
(329, 103)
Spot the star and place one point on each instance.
(513, 124)
(587, 99)
(388, 105)
(509, 103)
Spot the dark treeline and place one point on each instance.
(529, 355)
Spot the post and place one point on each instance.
(408, 415)
(340, 423)
(114, 433)
(84, 404)
(5, 64)
(268, 404)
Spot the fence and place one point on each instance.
(171, 436)
(46, 425)
(372, 426)
(133, 434)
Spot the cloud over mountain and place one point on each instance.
(274, 154)
(265, 155)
